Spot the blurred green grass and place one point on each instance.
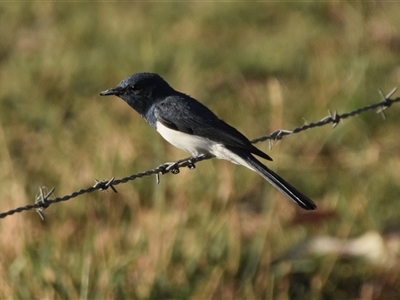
(212, 232)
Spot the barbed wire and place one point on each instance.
(43, 200)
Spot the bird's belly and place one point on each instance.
(193, 144)
(197, 145)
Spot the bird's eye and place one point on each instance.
(135, 89)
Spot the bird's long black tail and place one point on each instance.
(281, 184)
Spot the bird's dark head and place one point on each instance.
(141, 90)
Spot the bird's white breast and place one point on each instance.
(194, 144)
(197, 145)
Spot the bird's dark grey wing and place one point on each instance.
(185, 114)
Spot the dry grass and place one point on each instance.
(211, 233)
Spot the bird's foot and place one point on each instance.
(174, 166)
(191, 165)
(167, 167)
(170, 167)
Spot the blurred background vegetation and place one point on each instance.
(220, 231)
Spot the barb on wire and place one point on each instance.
(42, 200)
(334, 118)
(104, 184)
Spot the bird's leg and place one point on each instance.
(170, 167)
(191, 161)
(174, 166)
(167, 167)
(190, 164)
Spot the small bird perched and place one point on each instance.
(189, 125)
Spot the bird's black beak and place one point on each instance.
(113, 91)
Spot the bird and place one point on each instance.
(189, 125)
